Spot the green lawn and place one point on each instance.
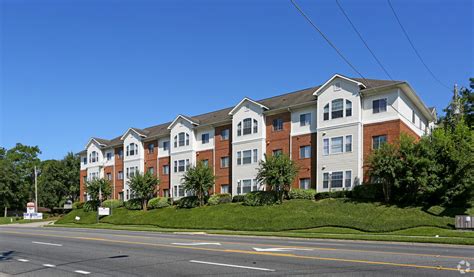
(291, 215)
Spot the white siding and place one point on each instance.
(296, 129)
(392, 99)
(199, 145)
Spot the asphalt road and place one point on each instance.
(76, 252)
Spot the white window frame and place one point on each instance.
(305, 147)
(331, 148)
(378, 108)
(305, 119)
(348, 143)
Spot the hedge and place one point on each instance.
(302, 194)
(112, 203)
(91, 205)
(133, 204)
(187, 202)
(77, 205)
(260, 198)
(238, 198)
(158, 202)
(221, 198)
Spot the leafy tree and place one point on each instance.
(143, 186)
(71, 172)
(278, 172)
(98, 185)
(199, 179)
(51, 186)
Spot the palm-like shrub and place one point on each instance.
(199, 179)
(143, 186)
(278, 172)
(98, 188)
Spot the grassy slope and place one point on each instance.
(292, 215)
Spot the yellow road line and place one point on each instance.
(245, 252)
(316, 248)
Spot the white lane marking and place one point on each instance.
(232, 265)
(23, 260)
(280, 249)
(46, 243)
(49, 265)
(197, 243)
(82, 272)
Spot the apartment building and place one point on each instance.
(328, 130)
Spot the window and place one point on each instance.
(413, 116)
(205, 138)
(255, 126)
(305, 152)
(325, 180)
(224, 188)
(109, 156)
(120, 153)
(247, 157)
(132, 149)
(326, 112)
(84, 160)
(120, 175)
(187, 164)
(337, 86)
(205, 162)
(379, 105)
(348, 108)
(247, 126)
(224, 162)
(166, 193)
(348, 179)
(305, 119)
(336, 179)
(166, 170)
(246, 186)
(175, 140)
(182, 165)
(166, 145)
(239, 129)
(93, 157)
(225, 134)
(239, 158)
(377, 141)
(337, 108)
(336, 145)
(305, 183)
(277, 152)
(151, 170)
(255, 155)
(109, 176)
(349, 143)
(151, 148)
(277, 124)
(175, 166)
(325, 147)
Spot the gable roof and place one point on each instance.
(187, 118)
(246, 99)
(335, 76)
(142, 133)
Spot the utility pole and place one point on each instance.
(36, 190)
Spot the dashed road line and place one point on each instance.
(82, 272)
(232, 265)
(49, 265)
(46, 243)
(23, 260)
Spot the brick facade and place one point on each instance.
(82, 185)
(307, 167)
(223, 148)
(118, 168)
(164, 178)
(278, 139)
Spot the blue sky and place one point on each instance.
(75, 69)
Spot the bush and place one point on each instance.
(368, 192)
(188, 202)
(112, 203)
(221, 198)
(333, 194)
(238, 198)
(91, 205)
(260, 198)
(77, 205)
(158, 202)
(302, 194)
(133, 204)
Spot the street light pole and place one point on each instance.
(36, 190)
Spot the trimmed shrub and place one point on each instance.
(368, 192)
(238, 198)
(333, 194)
(91, 205)
(188, 202)
(260, 198)
(158, 202)
(112, 203)
(302, 194)
(219, 198)
(133, 204)
(77, 205)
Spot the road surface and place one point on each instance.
(48, 252)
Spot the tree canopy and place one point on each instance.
(143, 187)
(199, 179)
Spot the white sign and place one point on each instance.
(30, 208)
(32, 215)
(104, 211)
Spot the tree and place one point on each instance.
(71, 172)
(51, 185)
(278, 172)
(98, 185)
(199, 179)
(143, 186)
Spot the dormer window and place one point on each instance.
(249, 126)
(337, 107)
(181, 139)
(132, 149)
(93, 157)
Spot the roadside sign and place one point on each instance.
(68, 205)
(30, 207)
(104, 211)
(32, 215)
